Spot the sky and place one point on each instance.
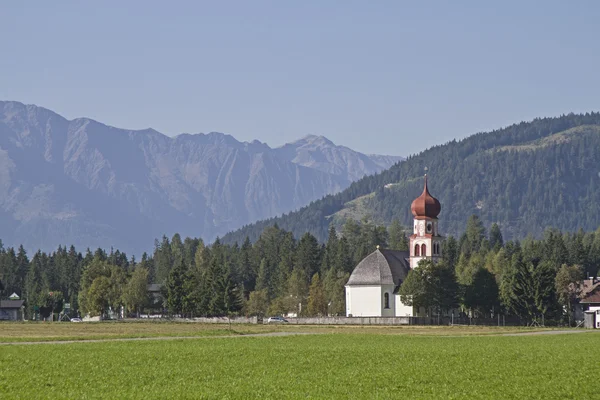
(387, 77)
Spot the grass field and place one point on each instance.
(36, 331)
(329, 365)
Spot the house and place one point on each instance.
(11, 310)
(156, 301)
(588, 308)
(372, 290)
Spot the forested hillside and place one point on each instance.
(525, 177)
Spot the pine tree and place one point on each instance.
(396, 235)
(262, 280)
(496, 240)
(308, 254)
(450, 251)
(331, 249)
(176, 288)
(343, 260)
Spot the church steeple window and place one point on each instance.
(417, 250)
(423, 250)
(386, 300)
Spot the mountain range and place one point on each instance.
(526, 177)
(88, 184)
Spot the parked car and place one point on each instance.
(75, 319)
(275, 320)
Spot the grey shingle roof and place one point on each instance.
(382, 267)
(154, 287)
(11, 303)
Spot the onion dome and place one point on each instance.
(426, 205)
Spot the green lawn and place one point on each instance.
(316, 366)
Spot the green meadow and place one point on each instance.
(326, 365)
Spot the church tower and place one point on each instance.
(426, 241)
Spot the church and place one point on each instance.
(372, 290)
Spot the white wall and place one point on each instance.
(364, 301)
(401, 309)
(389, 312)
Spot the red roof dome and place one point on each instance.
(426, 205)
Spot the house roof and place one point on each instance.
(382, 267)
(11, 303)
(154, 287)
(590, 291)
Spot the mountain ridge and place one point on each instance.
(87, 183)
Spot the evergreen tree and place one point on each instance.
(343, 260)
(496, 240)
(331, 249)
(163, 260)
(176, 288)
(450, 252)
(397, 236)
(308, 255)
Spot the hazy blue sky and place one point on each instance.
(379, 76)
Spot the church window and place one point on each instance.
(423, 250)
(386, 300)
(417, 250)
(429, 227)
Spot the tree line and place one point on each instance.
(280, 274)
(535, 280)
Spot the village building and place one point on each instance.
(11, 310)
(372, 290)
(588, 309)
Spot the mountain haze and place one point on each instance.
(525, 177)
(85, 183)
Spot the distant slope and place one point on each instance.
(85, 183)
(526, 177)
(320, 153)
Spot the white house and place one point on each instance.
(372, 290)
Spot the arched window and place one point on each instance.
(386, 300)
(423, 250)
(417, 250)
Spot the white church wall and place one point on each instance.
(364, 301)
(390, 311)
(401, 309)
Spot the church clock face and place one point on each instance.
(421, 228)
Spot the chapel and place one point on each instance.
(372, 290)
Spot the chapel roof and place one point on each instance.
(382, 267)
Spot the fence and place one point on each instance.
(391, 321)
(382, 321)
